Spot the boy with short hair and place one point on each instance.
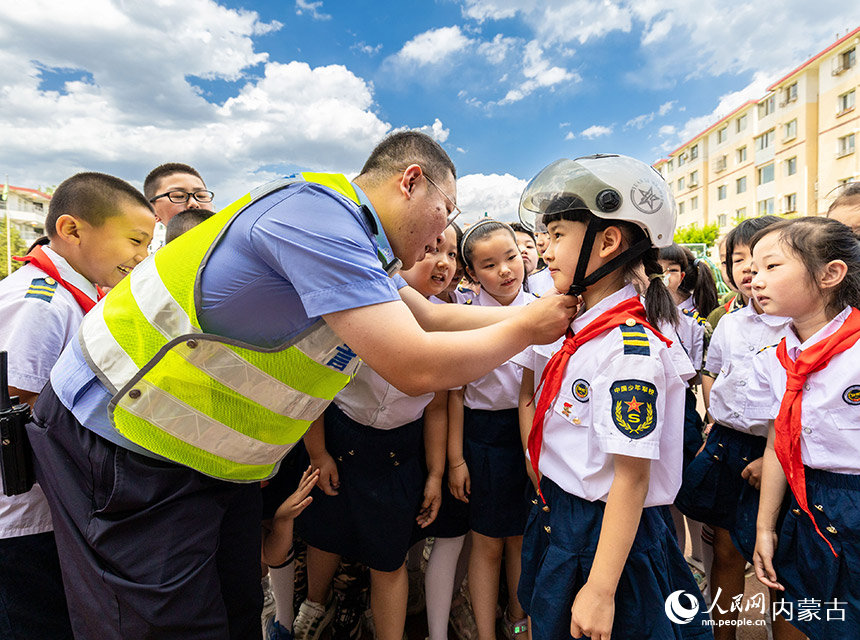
(185, 221)
(98, 228)
(174, 187)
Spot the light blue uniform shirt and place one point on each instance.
(292, 256)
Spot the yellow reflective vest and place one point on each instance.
(220, 406)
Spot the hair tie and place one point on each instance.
(654, 276)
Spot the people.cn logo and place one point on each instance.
(676, 612)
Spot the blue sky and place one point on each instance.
(248, 90)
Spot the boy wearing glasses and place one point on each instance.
(174, 187)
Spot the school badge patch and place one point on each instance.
(634, 407)
(581, 390)
(852, 394)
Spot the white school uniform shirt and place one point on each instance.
(462, 294)
(582, 431)
(690, 333)
(739, 336)
(830, 416)
(540, 282)
(683, 365)
(39, 318)
(499, 389)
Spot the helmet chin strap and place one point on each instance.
(581, 281)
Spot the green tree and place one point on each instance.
(694, 234)
(19, 247)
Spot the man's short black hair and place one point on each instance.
(162, 171)
(91, 197)
(184, 221)
(398, 150)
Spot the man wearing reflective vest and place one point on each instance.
(193, 378)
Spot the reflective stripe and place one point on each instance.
(197, 429)
(103, 352)
(229, 368)
(324, 346)
(156, 303)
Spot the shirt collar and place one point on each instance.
(627, 291)
(484, 299)
(769, 320)
(793, 345)
(70, 275)
(379, 232)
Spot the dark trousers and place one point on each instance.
(148, 549)
(32, 602)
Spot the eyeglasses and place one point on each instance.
(179, 196)
(456, 212)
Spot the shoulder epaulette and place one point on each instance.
(464, 289)
(469, 301)
(42, 289)
(692, 313)
(734, 310)
(766, 348)
(635, 340)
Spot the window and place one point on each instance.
(789, 130)
(722, 162)
(845, 102)
(722, 191)
(766, 107)
(681, 183)
(742, 185)
(741, 123)
(694, 203)
(721, 220)
(722, 135)
(680, 208)
(682, 159)
(764, 140)
(789, 94)
(741, 154)
(845, 145)
(765, 174)
(741, 213)
(844, 61)
(694, 179)
(671, 165)
(694, 152)
(765, 207)
(791, 166)
(789, 203)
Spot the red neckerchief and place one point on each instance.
(788, 423)
(38, 258)
(729, 304)
(550, 382)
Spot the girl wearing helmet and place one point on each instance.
(605, 439)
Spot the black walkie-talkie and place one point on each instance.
(16, 458)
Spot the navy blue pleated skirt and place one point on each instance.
(713, 490)
(693, 428)
(558, 551)
(372, 518)
(807, 568)
(493, 450)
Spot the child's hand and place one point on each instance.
(705, 433)
(459, 481)
(301, 498)
(329, 481)
(765, 544)
(432, 501)
(592, 614)
(752, 473)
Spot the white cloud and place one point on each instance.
(539, 73)
(366, 49)
(312, 8)
(667, 130)
(432, 47)
(128, 108)
(497, 195)
(570, 136)
(639, 121)
(436, 131)
(596, 131)
(666, 107)
(496, 50)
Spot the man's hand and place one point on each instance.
(549, 317)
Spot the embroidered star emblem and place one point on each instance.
(632, 405)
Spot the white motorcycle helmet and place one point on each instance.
(613, 188)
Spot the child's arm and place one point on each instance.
(594, 607)
(526, 409)
(459, 481)
(773, 486)
(278, 532)
(435, 441)
(314, 441)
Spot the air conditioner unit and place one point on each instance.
(839, 68)
(693, 183)
(782, 104)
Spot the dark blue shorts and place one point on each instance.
(713, 490)
(372, 518)
(807, 568)
(498, 507)
(558, 552)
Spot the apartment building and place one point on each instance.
(26, 209)
(782, 154)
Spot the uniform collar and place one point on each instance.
(70, 275)
(376, 227)
(769, 320)
(795, 347)
(627, 291)
(484, 299)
